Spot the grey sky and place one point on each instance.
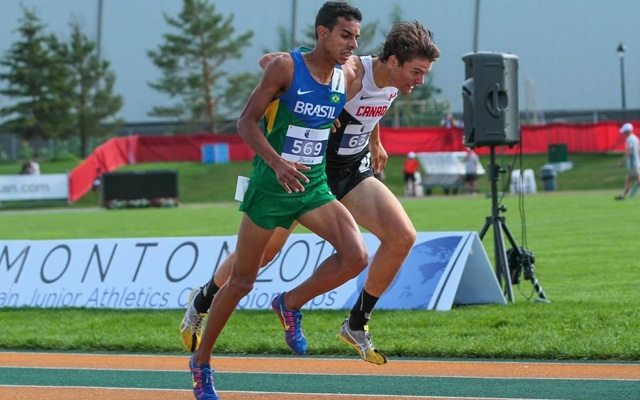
(566, 48)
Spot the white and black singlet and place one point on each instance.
(348, 157)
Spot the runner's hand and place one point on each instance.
(290, 177)
(335, 126)
(379, 158)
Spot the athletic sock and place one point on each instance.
(203, 299)
(361, 311)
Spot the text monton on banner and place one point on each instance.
(107, 273)
(141, 273)
(159, 273)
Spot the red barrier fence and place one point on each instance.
(143, 149)
(579, 138)
(535, 139)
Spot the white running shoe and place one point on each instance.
(191, 326)
(361, 342)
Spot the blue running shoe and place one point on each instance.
(202, 379)
(290, 321)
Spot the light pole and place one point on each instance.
(294, 9)
(99, 33)
(476, 27)
(621, 49)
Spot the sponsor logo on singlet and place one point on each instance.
(369, 111)
(314, 110)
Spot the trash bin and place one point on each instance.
(558, 153)
(548, 175)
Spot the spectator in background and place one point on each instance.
(411, 165)
(30, 168)
(97, 182)
(449, 122)
(632, 160)
(471, 162)
(24, 170)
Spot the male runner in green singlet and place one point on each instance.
(300, 96)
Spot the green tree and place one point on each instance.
(191, 61)
(238, 90)
(94, 103)
(36, 83)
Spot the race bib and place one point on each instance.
(305, 145)
(241, 187)
(354, 139)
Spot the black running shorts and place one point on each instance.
(343, 180)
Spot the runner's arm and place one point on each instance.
(266, 59)
(379, 155)
(276, 80)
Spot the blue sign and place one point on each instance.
(215, 153)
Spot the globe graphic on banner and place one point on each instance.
(418, 278)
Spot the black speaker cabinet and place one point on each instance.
(490, 99)
(140, 188)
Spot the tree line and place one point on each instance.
(55, 89)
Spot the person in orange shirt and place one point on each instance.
(411, 165)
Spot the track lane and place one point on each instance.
(297, 365)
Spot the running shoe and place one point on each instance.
(191, 326)
(290, 320)
(202, 380)
(361, 342)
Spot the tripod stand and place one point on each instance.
(499, 227)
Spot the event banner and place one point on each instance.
(159, 273)
(34, 187)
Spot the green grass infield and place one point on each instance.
(586, 247)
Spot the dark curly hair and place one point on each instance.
(332, 10)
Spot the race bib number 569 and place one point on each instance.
(305, 145)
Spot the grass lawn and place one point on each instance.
(586, 261)
(207, 183)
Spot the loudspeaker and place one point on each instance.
(490, 99)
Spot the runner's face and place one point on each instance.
(409, 75)
(342, 40)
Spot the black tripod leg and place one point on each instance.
(512, 240)
(486, 226)
(541, 296)
(500, 228)
(502, 266)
